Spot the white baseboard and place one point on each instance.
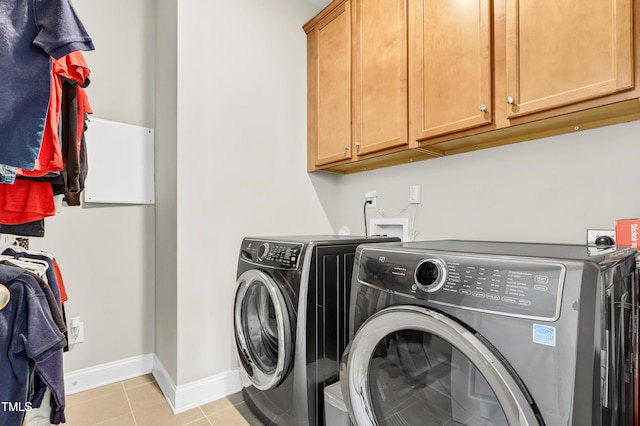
(185, 397)
(105, 374)
(165, 381)
(180, 398)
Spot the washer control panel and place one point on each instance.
(499, 284)
(273, 254)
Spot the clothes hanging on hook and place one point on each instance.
(44, 41)
(50, 297)
(40, 38)
(70, 69)
(28, 336)
(53, 272)
(61, 167)
(48, 373)
(32, 32)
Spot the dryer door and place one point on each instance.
(410, 365)
(262, 329)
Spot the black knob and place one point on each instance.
(263, 250)
(605, 240)
(430, 275)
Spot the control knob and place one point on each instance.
(263, 250)
(430, 275)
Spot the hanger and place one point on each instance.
(38, 267)
(29, 260)
(7, 240)
(22, 256)
(5, 296)
(20, 249)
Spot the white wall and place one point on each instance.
(546, 190)
(241, 158)
(166, 248)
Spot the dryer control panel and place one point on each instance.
(271, 254)
(508, 286)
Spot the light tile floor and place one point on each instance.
(140, 402)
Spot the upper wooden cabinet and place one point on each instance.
(329, 87)
(357, 80)
(393, 81)
(449, 66)
(558, 53)
(379, 60)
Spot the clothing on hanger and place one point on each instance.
(19, 249)
(25, 201)
(31, 336)
(42, 41)
(32, 32)
(71, 68)
(38, 269)
(49, 374)
(31, 107)
(53, 270)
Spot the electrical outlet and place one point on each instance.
(75, 331)
(371, 196)
(594, 234)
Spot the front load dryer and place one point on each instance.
(492, 334)
(290, 321)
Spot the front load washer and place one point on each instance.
(490, 333)
(290, 321)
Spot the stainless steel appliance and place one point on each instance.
(290, 321)
(489, 333)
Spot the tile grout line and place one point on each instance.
(126, 394)
(205, 415)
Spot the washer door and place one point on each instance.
(263, 329)
(409, 365)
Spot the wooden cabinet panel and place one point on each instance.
(379, 58)
(450, 66)
(562, 52)
(329, 88)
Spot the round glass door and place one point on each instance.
(262, 329)
(409, 365)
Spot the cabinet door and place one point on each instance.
(329, 88)
(562, 52)
(449, 66)
(379, 52)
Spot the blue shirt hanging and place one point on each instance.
(31, 31)
(28, 335)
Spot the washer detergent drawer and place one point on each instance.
(407, 364)
(262, 329)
